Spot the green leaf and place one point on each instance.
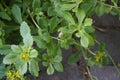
(78, 34)
(46, 37)
(91, 62)
(43, 22)
(102, 9)
(90, 38)
(101, 46)
(1, 42)
(24, 29)
(26, 4)
(33, 53)
(50, 70)
(115, 2)
(69, 18)
(3, 71)
(45, 64)
(5, 16)
(89, 29)
(5, 49)
(105, 60)
(58, 58)
(80, 15)
(15, 48)
(10, 58)
(44, 56)
(22, 68)
(89, 6)
(67, 6)
(17, 13)
(40, 42)
(84, 41)
(58, 67)
(35, 4)
(88, 22)
(28, 40)
(74, 58)
(51, 11)
(25, 33)
(53, 23)
(34, 68)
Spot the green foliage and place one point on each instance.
(17, 13)
(25, 33)
(29, 27)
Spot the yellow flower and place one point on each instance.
(24, 56)
(99, 56)
(9, 74)
(21, 78)
(13, 75)
(16, 74)
(12, 78)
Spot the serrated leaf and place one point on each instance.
(58, 67)
(24, 29)
(5, 49)
(84, 41)
(50, 70)
(33, 53)
(80, 15)
(34, 68)
(17, 13)
(15, 48)
(10, 58)
(5, 16)
(22, 68)
(74, 58)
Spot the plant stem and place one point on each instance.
(55, 38)
(89, 73)
(34, 22)
(113, 62)
(91, 51)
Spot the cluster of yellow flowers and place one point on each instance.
(14, 75)
(99, 56)
(25, 54)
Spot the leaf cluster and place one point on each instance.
(34, 32)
